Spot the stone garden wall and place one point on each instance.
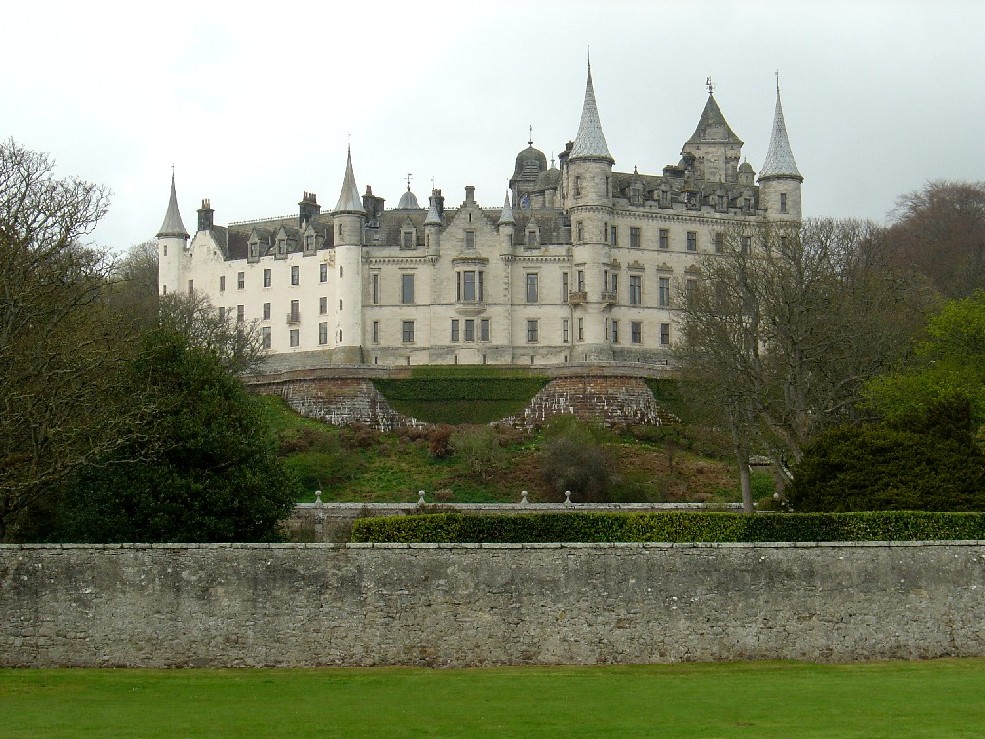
(443, 605)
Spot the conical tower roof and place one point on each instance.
(172, 226)
(433, 218)
(712, 126)
(506, 217)
(779, 158)
(349, 200)
(590, 141)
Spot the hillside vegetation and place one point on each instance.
(473, 462)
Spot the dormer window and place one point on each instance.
(532, 238)
(665, 197)
(408, 239)
(636, 194)
(253, 252)
(309, 243)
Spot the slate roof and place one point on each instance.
(590, 141)
(779, 157)
(173, 225)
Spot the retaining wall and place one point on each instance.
(309, 605)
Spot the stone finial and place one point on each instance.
(420, 497)
(318, 497)
(523, 497)
(567, 497)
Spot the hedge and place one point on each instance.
(458, 400)
(671, 526)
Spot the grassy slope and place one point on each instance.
(361, 465)
(761, 699)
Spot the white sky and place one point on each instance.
(254, 103)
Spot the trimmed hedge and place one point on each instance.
(455, 400)
(671, 526)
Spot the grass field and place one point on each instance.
(939, 698)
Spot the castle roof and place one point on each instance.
(173, 225)
(506, 217)
(712, 126)
(349, 200)
(408, 201)
(779, 157)
(590, 141)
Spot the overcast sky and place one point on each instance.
(255, 103)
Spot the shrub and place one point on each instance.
(574, 458)
(438, 441)
(480, 449)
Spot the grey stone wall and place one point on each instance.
(289, 605)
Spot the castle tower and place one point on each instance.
(432, 225)
(715, 148)
(779, 179)
(348, 217)
(172, 248)
(588, 199)
(505, 226)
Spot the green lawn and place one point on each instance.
(940, 698)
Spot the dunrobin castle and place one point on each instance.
(582, 263)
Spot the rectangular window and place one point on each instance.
(579, 231)
(664, 238)
(295, 275)
(295, 315)
(407, 331)
(266, 311)
(265, 336)
(615, 332)
(581, 329)
(407, 289)
(484, 329)
(564, 287)
(692, 240)
(323, 333)
(240, 280)
(375, 288)
(222, 313)
(470, 239)
(222, 283)
(240, 313)
(580, 275)
(531, 238)
(783, 202)
(408, 239)
(191, 286)
(719, 243)
(376, 332)
(295, 337)
(323, 272)
(745, 243)
(454, 329)
(690, 289)
(636, 289)
(322, 306)
(266, 278)
(470, 286)
(634, 237)
(470, 329)
(636, 332)
(564, 330)
(614, 236)
(664, 334)
(663, 292)
(614, 283)
(531, 331)
(532, 288)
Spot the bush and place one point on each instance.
(932, 464)
(438, 441)
(479, 448)
(574, 458)
(672, 526)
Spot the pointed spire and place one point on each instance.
(173, 225)
(590, 141)
(433, 218)
(349, 200)
(779, 158)
(506, 218)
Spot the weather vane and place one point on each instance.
(409, 175)
(710, 85)
(530, 141)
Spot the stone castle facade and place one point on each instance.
(582, 263)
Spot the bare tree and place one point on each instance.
(238, 344)
(785, 326)
(61, 399)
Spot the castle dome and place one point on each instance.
(548, 180)
(529, 164)
(408, 201)
(746, 167)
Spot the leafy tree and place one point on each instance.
(949, 364)
(926, 462)
(237, 344)
(205, 469)
(62, 403)
(785, 325)
(940, 230)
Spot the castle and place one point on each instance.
(582, 263)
